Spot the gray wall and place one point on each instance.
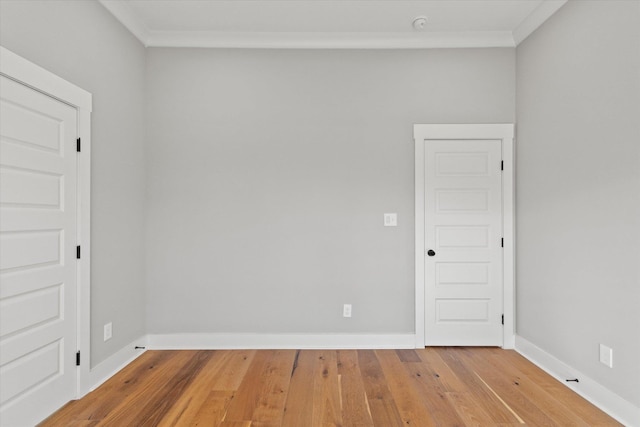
(83, 43)
(269, 173)
(578, 176)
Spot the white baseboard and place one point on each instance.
(113, 364)
(206, 341)
(614, 405)
(509, 342)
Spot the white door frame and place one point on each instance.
(505, 133)
(29, 74)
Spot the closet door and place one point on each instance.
(38, 266)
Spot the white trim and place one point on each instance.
(209, 39)
(419, 174)
(127, 17)
(463, 131)
(509, 234)
(536, 18)
(292, 40)
(123, 12)
(614, 405)
(36, 77)
(115, 363)
(468, 131)
(236, 341)
(84, 240)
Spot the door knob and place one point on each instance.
(431, 252)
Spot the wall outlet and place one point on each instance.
(346, 310)
(390, 220)
(606, 355)
(108, 331)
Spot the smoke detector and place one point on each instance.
(420, 23)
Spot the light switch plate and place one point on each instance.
(390, 220)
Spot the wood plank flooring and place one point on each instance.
(360, 388)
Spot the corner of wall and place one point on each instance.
(113, 364)
(614, 405)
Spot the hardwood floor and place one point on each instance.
(264, 388)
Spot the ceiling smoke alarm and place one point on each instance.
(420, 23)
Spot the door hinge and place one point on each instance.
(77, 252)
(502, 242)
(503, 319)
(502, 165)
(78, 358)
(78, 145)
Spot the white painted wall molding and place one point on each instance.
(30, 74)
(205, 341)
(114, 364)
(355, 40)
(535, 19)
(206, 39)
(614, 405)
(123, 13)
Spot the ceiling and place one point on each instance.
(332, 23)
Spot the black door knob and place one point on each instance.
(431, 252)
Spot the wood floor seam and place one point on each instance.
(431, 387)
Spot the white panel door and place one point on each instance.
(463, 253)
(38, 228)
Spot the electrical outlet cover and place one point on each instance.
(606, 355)
(346, 310)
(108, 331)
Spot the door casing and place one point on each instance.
(29, 74)
(505, 133)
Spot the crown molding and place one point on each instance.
(415, 40)
(205, 39)
(536, 18)
(127, 17)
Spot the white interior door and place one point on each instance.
(38, 238)
(463, 242)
